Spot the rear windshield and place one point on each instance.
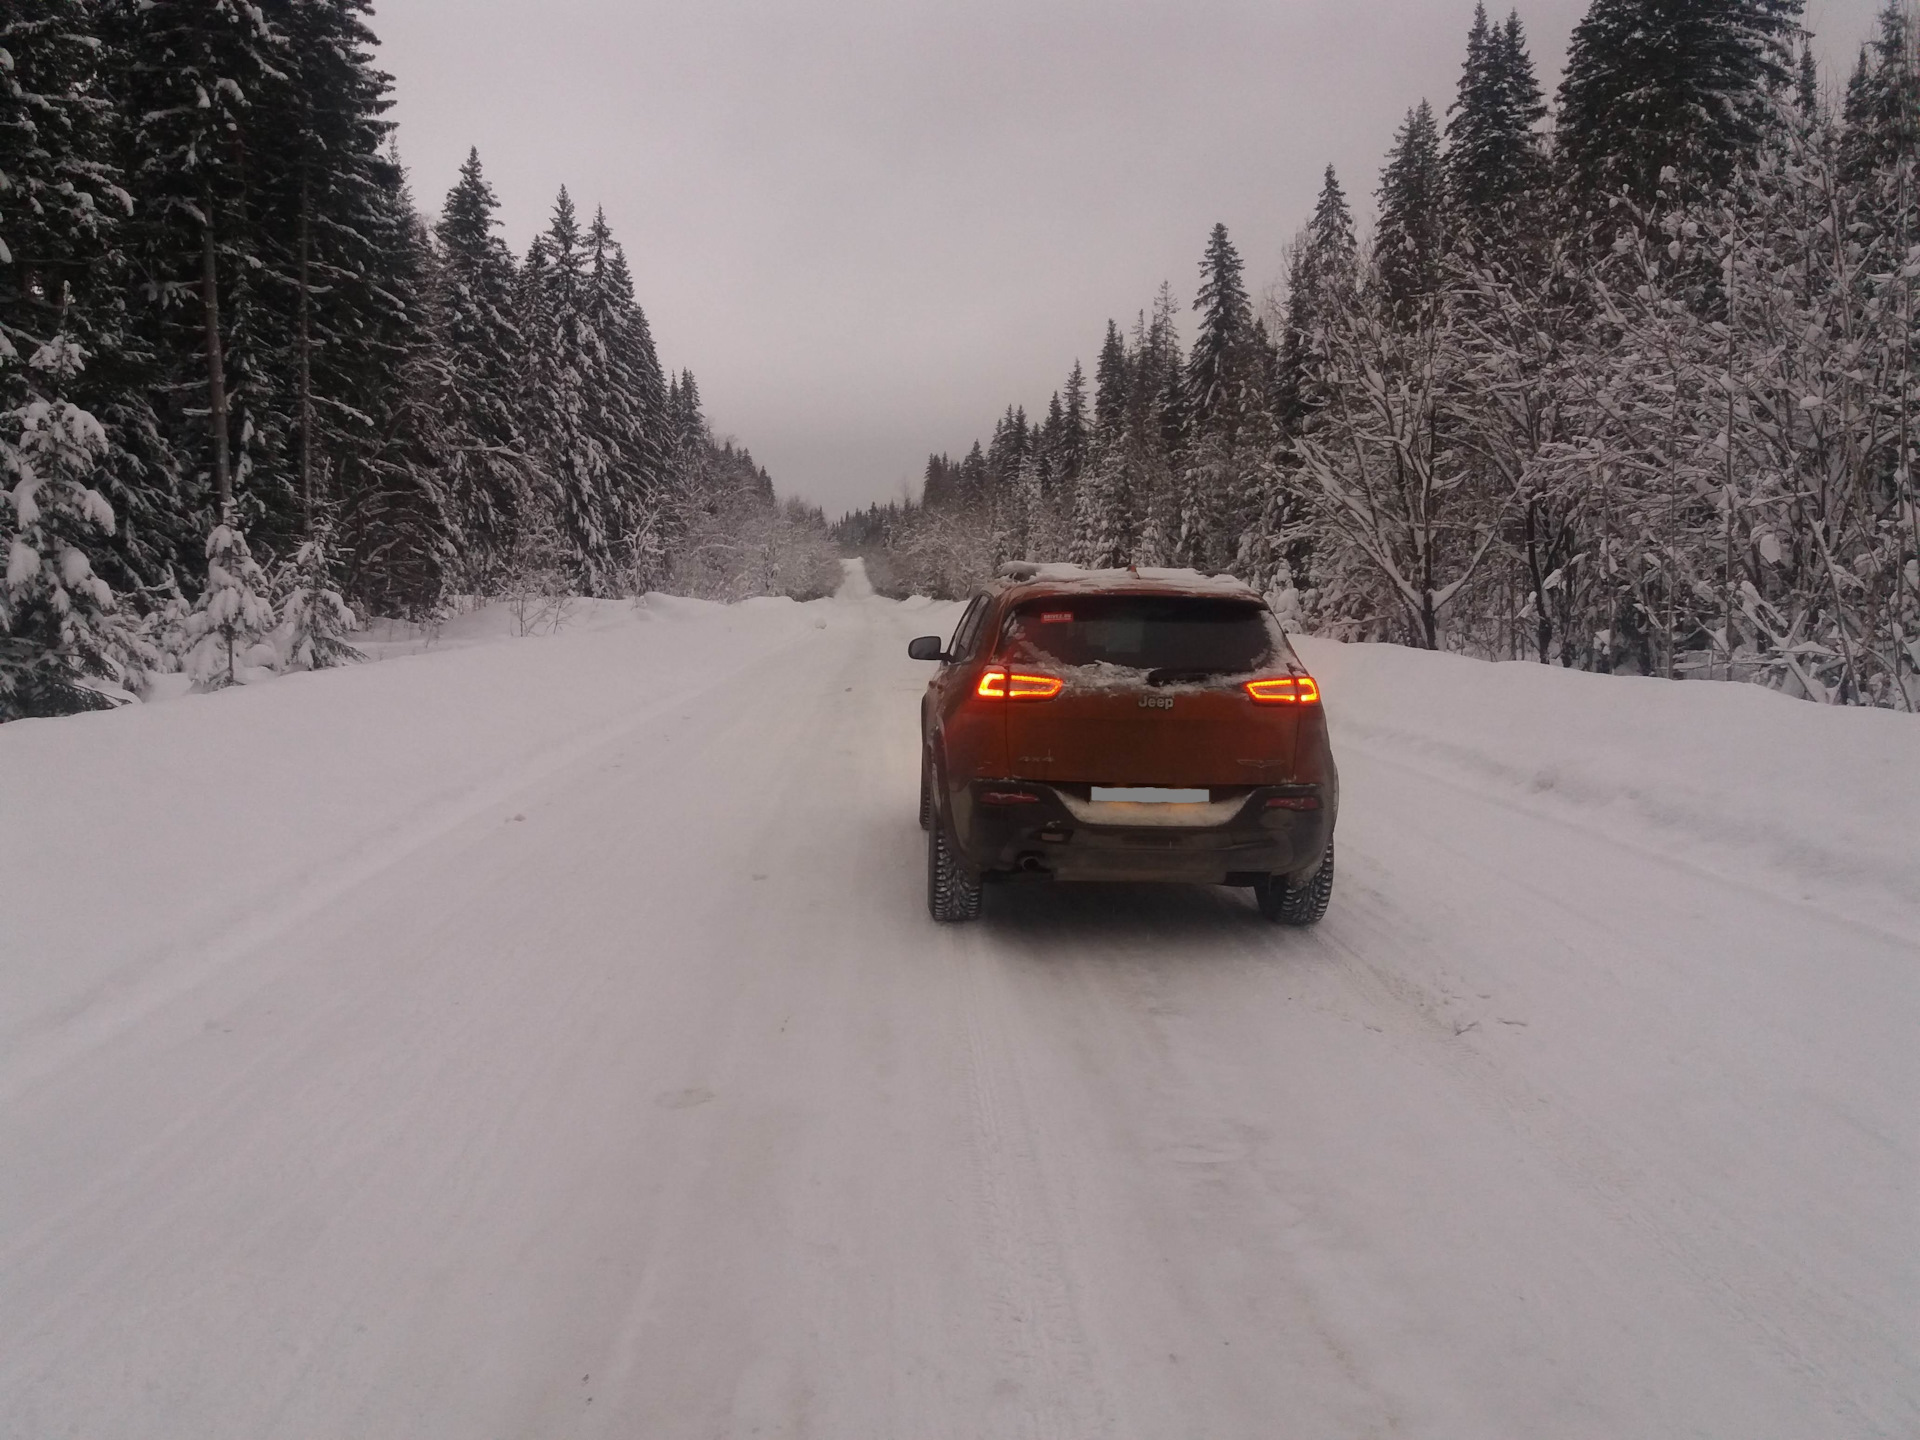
(1174, 637)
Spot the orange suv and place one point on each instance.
(1124, 725)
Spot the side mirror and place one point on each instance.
(927, 647)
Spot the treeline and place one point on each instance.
(1632, 390)
(249, 396)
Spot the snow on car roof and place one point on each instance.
(1147, 578)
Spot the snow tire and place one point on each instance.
(953, 896)
(1301, 904)
(926, 789)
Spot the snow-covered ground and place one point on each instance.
(536, 1037)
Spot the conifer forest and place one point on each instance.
(1623, 383)
(249, 398)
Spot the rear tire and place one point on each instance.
(1302, 904)
(926, 789)
(953, 896)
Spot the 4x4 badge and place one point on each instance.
(1156, 702)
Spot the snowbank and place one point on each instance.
(1706, 769)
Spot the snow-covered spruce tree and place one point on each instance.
(1215, 378)
(397, 557)
(1075, 429)
(1160, 376)
(1496, 168)
(1653, 85)
(1110, 383)
(315, 618)
(627, 410)
(231, 624)
(1319, 275)
(488, 471)
(1410, 242)
(1028, 504)
(694, 493)
(566, 361)
(1227, 465)
(1882, 106)
(66, 223)
(60, 630)
(189, 73)
(347, 298)
(1105, 533)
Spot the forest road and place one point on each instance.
(653, 1105)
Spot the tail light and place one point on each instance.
(1293, 802)
(999, 684)
(1288, 690)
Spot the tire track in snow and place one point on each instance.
(1034, 1319)
(120, 1006)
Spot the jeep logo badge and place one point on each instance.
(1156, 702)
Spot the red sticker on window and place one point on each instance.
(1056, 617)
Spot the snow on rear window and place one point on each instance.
(1180, 636)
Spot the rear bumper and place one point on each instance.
(1060, 837)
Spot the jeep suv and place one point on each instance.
(1129, 725)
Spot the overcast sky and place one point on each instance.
(869, 225)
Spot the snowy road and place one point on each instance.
(627, 1091)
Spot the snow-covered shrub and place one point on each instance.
(537, 579)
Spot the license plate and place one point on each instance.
(1142, 794)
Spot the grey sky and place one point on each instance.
(869, 225)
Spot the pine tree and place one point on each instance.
(1658, 84)
(1411, 239)
(1494, 162)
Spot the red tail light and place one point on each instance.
(1293, 802)
(998, 684)
(1290, 690)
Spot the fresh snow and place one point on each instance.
(545, 1036)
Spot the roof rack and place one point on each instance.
(1081, 577)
